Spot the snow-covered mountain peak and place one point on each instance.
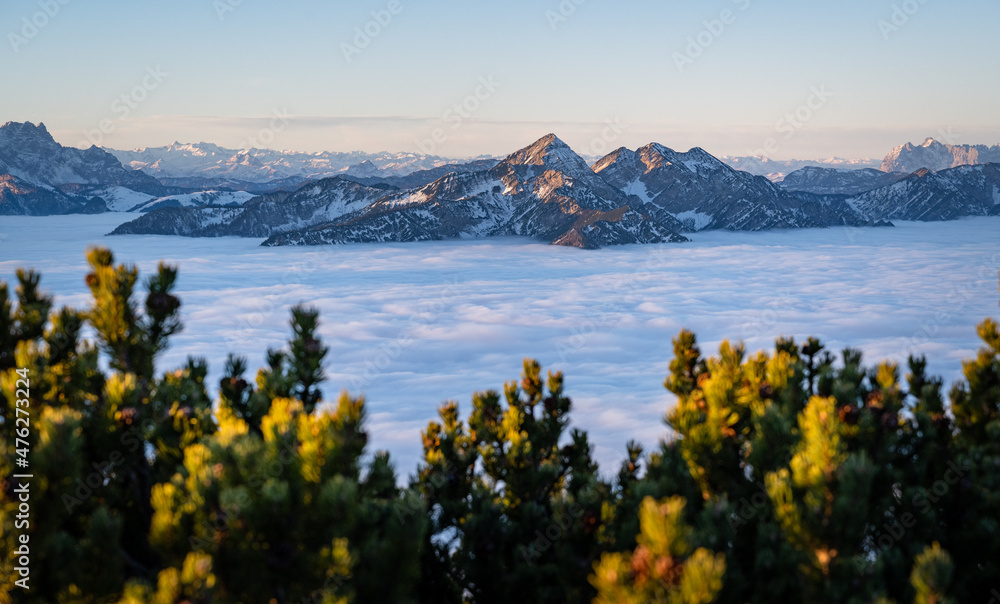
(365, 168)
(618, 156)
(29, 153)
(549, 151)
(27, 134)
(202, 149)
(937, 156)
(655, 155)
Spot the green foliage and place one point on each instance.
(286, 513)
(823, 481)
(932, 571)
(307, 354)
(147, 492)
(515, 508)
(91, 432)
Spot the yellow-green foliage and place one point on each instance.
(662, 568)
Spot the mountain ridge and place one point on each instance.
(543, 190)
(934, 155)
(29, 153)
(259, 166)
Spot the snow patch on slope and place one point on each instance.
(485, 186)
(121, 199)
(694, 165)
(695, 221)
(638, 188)
(415, 198)
(205, 198)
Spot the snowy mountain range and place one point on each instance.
(545, 191)
(929, 196)
(205, 164)
(38, 176)
(933, 155)
(705, 193)
(21, 198)
(184, 164)
(838, 181)
(777, 169)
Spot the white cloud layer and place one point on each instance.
(412, 325)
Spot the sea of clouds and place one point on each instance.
(412, 325)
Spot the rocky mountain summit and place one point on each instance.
(29, 153)
(933, 155)
(39, 176)
(705, 193)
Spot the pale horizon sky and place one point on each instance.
(736, 77)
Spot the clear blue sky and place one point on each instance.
(934, 72)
